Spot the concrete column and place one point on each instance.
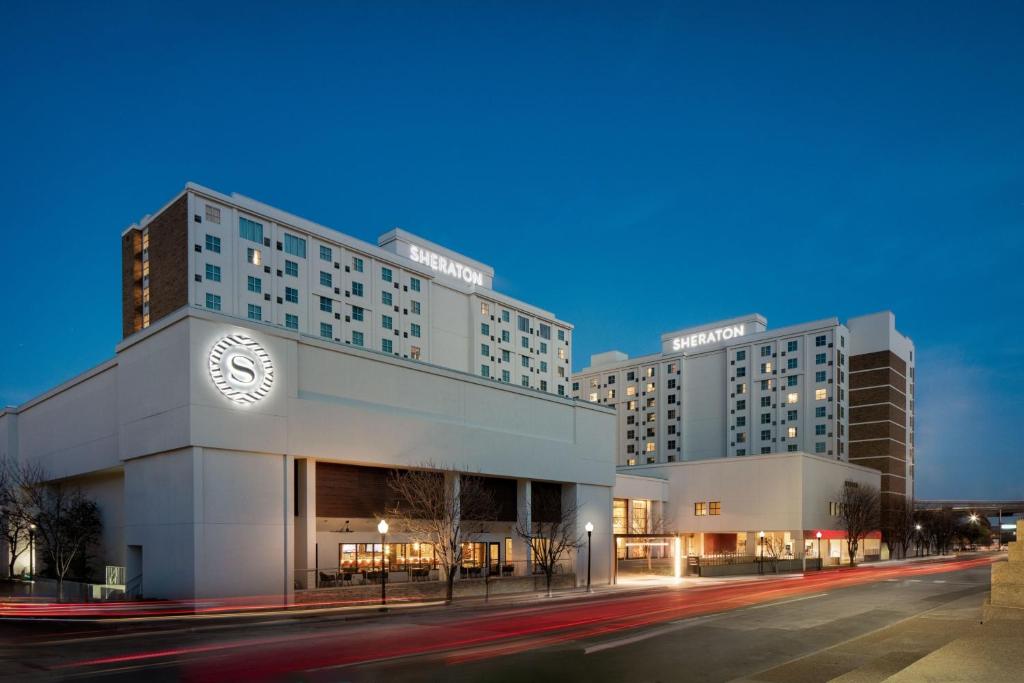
(305, 525)
(593, 504)
(524, 512)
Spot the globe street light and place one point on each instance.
(917, 527)
(761, 563)
(383, 529)
(590, 530)
(820, 563)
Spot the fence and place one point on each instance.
(346, 577)
(728, 564)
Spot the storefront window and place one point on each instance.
(397, 557)
(619, 520)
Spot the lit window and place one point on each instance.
(700, 509)
(593, 397)
(414, 353)
(741, 388)
(611, 394)
(253, 256)
(630, 391)
(715, 507)
(766, 368)
(791, 432)
(820, 394)
(650, 387)
(561, 354)
(794, 397)
(650, 447)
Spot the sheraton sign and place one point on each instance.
(443, 264)
(714, 336)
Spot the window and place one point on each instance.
(791, 432)
(793, 397)
(741, 388)
(650, 387)
(671, 384)
(791, 415)
(253, 256)
(415, 307)
(766, 351)
(485, 371)
(414, 284)
(593, 397)
(741, 451)
(819, 446)
(561, 354)
(524, 361)
(357, 338)
(543, 366)
(791, 345)
(291, 321)
(505, 316)
(741, 437)
(357, 289)
(544, 331)
(523, 323)
(357, 264)
(741, 354)
(715, 507)
(631, 391)
(766, 435)
(250, 230)
(630, 376)
(357, 313)
(212, 272)
(820, 394)
(543, 348)
(742, 372)
(385, 274)
(819, 430)
(741, 421)
(255, 312)
(525, 381)
(819, 358)
(506, 376)
(296, 246)
(386, 345)
(325, 253)
(291, 268)
(485, 329)
(766, 369)
(385, 322)
(561, 335)
(820, 340)
(386, 298)
(506, 356)
(414, 353)
(213, 244)
(792, 448)
(213, 301)
(325, 331)
(525, 342)
(741, 404)
(791, 363)
(766, 418)
(650, 447)
(326, 305)
(485, 350)
(506, 336)
(792, 380)
(819, 411)
(254, 284)
(766, 401)
(212, 214)
(291, 295)
(765, 449)
(543, 385)
(414, 330)
(649, 372)
(819, 376)
(700, 509)
(631, 405)
(326, 280)
(766, 385)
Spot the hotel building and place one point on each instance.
(735, 388)
(272, 374)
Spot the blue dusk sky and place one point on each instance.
(632, 167)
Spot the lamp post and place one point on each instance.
(590, 530)
(32, 551)
(821, 562)
(383, 529)
(917, 528)
(760, 564)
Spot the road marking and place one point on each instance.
(938, 581)
(776, 604)
(673, 626)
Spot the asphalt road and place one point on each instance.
(745, 629)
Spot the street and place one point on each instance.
(739, 629)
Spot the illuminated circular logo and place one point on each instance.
(241, 369)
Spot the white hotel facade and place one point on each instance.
(273, 372)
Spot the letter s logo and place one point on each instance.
(243, 369)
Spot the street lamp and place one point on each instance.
(761, 564)
(590, 530)
(917, 527)
(974, 518)
(32, 551)
(383, 529)
(820, 562)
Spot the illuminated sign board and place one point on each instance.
(709, 337)
(241, 369)
(443, 264)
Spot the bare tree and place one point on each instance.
(67, 523)
(900, 528)
(435, 505)
(859, 511)
(772, 549)
(939, 528)
(552, 532)
(15, 513)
